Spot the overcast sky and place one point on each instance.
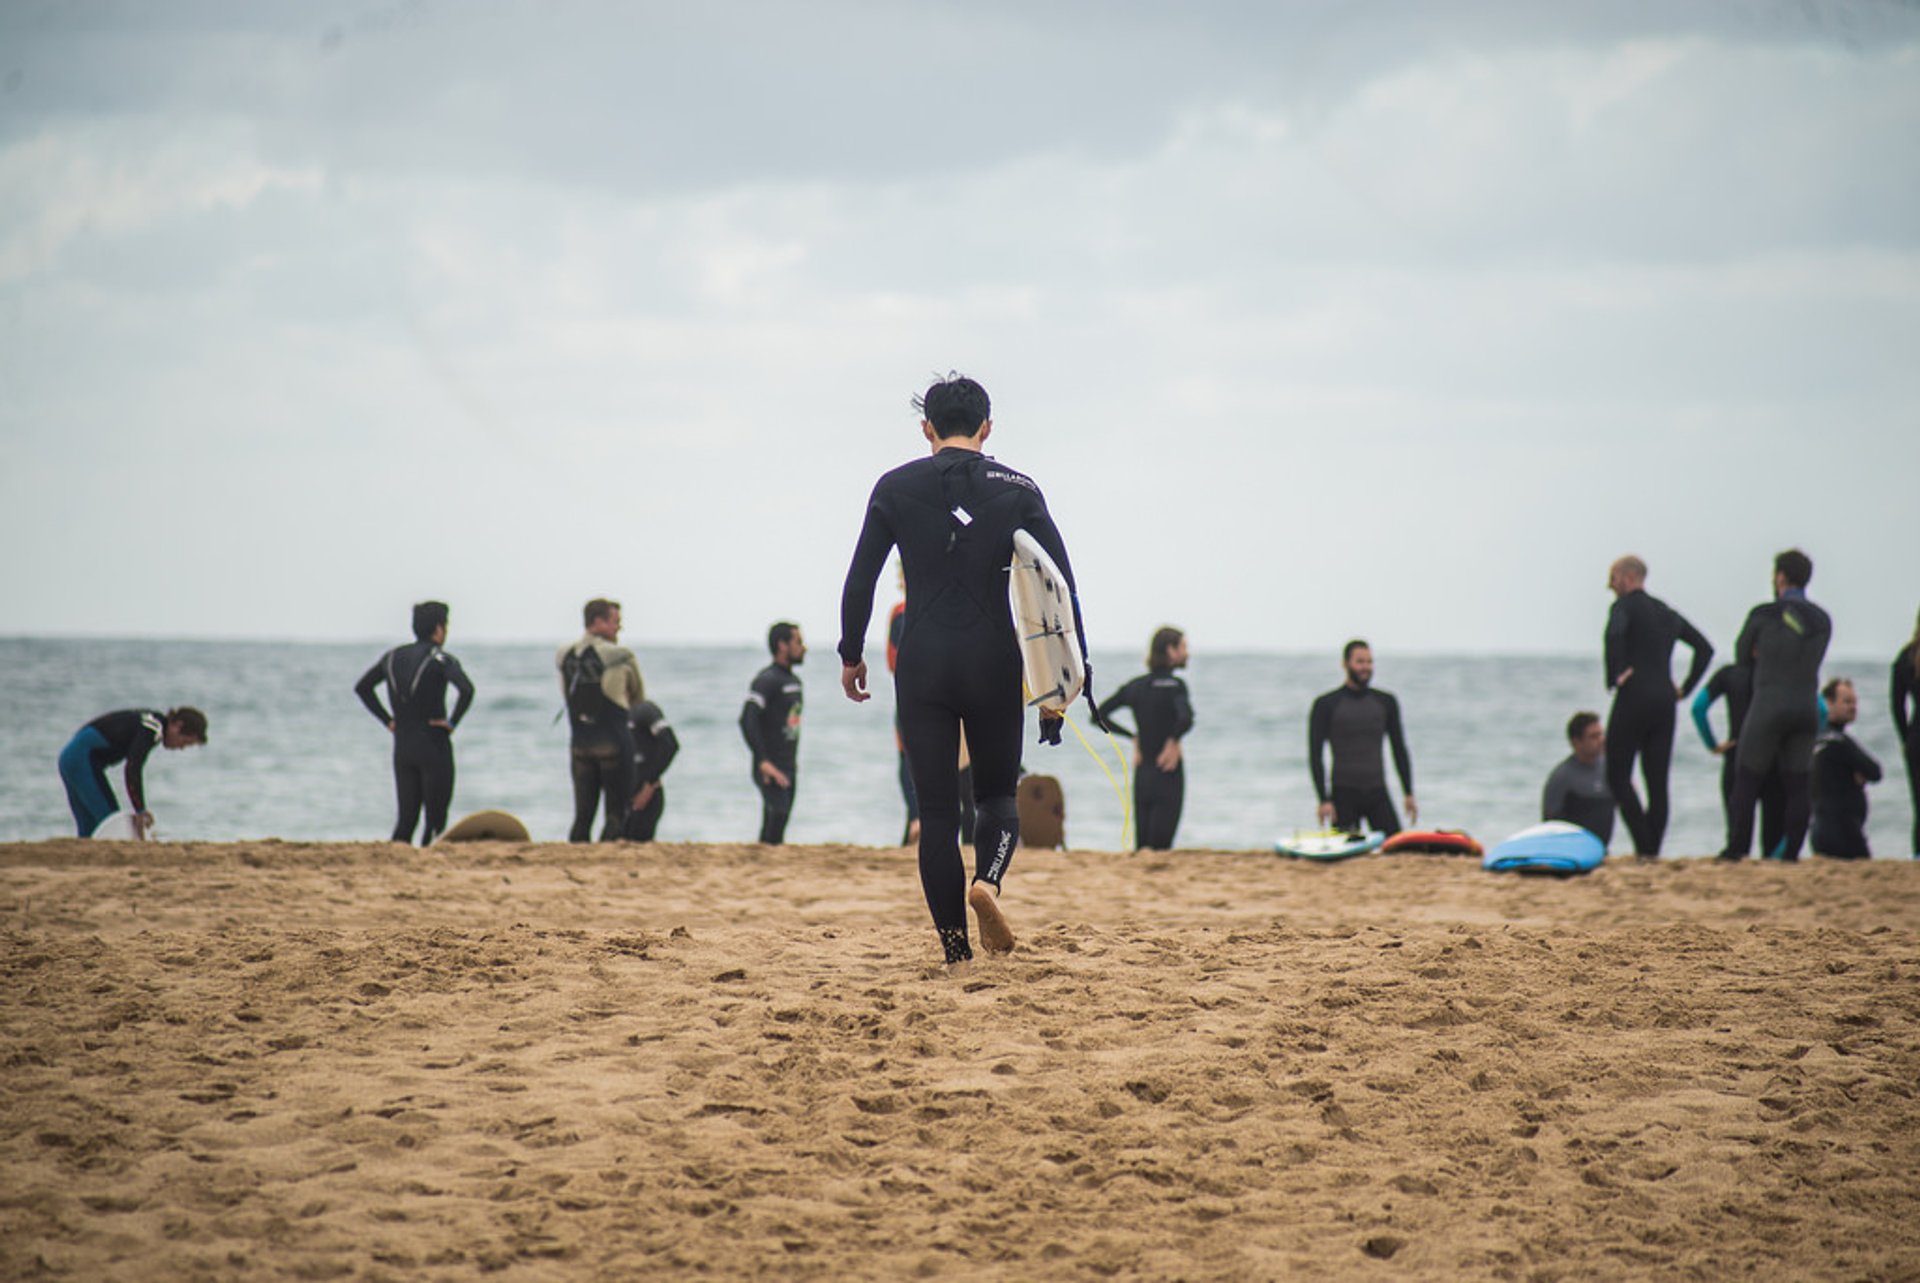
(1311, 320)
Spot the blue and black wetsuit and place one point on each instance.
(1161, 712)
(654, 747)
(1735, 684)
(953, 516)
(770, 723)
(416, 677)
(1355, 721)
(1906, 690)
(128, 735)
(1641, 632)
(1782, 644)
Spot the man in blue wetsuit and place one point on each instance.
(1162, 716)
(1354, 719)
(1641, 632)
(953, 516)
(128, 735)
(1782, 642)
(416, 677)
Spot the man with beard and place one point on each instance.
(770, 723)
(1353, 719)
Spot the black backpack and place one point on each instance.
(586, 701)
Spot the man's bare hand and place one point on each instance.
(853, 680)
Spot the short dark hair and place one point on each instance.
(780, 632)
(599, 608)
(956, 406)
(1355, 644)
(189, 719)
(1577, 725)
(427, 616)
(1832, 688)
(1796, 566)
(1163, 641)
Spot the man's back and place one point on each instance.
(1785, 641)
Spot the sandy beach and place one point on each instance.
(541, 1062)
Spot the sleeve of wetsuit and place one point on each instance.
(752, 718)
(669, 745)
(1701, 703)
(1112, 704)
(462, 683)
(1397, 734)
(856, 594)
(364, 688)
(1554, 795)
(1702, 654)
(1319, 727)
(1183, 712)
(1902, 686)
(1616, 646)
(1743, 644)
(1863, 763)
(137, 751)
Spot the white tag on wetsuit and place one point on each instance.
(962, 516)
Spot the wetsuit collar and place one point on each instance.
(1794, 594)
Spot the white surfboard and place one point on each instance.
(1043, 618)
(118, 827)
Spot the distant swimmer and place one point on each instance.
(770, 723)
(1782, 643)
(124, 736)
(1577, 791)
(1162, 716)
(1735, 684)
(600, 681)
(654, 747)
(416, 677)
(1841, 772)
(953, 516)
(1354, 720)
(1641, 632)
(1906, 721)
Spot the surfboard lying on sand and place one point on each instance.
(1430, 842)
(1555, 847)
(1327, 844)
(118, 827)
(1043, 618)
(487, 826)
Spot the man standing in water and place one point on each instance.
(770, 723)
(1162, 716)
(953, 516)
(1783, 642)
(1354, 719)
(1641, 631)
(416, 678)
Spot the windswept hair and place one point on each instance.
(427, 616)
(956, 406)
(1164, 640)
(189, 719)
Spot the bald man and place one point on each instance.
(1641, 632)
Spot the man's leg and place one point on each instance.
(932, 737)
(1773, 815)
(1656, 763)
(1162, 793)
(1349, 810)
(1912, 748)
(645, 822)
(586, 795)
(776, 804)
(994, 726)
(1380, 813)
(1746, 791)
(616, 783)
(436, 770)
(1623, 746)
(408, 790)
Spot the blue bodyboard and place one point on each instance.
(1553, 847)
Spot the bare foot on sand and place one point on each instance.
(995, 935)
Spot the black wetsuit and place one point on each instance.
(1782, 643)
(1577, 792)
(1906, 690)
(1641, 631)
(770, 723)
(600, 756)
(654, 746)
(1161, 712)
(1735, 685)
(953, 516)
(1841, 772)
(416, 677)
(1355, 721)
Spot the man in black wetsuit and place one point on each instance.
(1162, 715)
(1783, 643)
(600, 680)
(1354, 719)
(1841, 772)
(416, 678)
(128, 735)
(770, 723)
(654, 747)
(1641, 631)
(953, 516)
(1577, 790)
(1905, 690)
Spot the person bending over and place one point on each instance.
(1162, 715)
(124, 736)
(953, 516)
(416, 677)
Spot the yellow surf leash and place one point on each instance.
(1119, 790)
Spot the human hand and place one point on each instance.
(442, 723)
(1169, 756)
(853, 680)
(1413, 809)
(774, 775)
(1723, 748)
(142, 823)
(645, 795)
(1325, 813)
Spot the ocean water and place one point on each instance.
(292, 754)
